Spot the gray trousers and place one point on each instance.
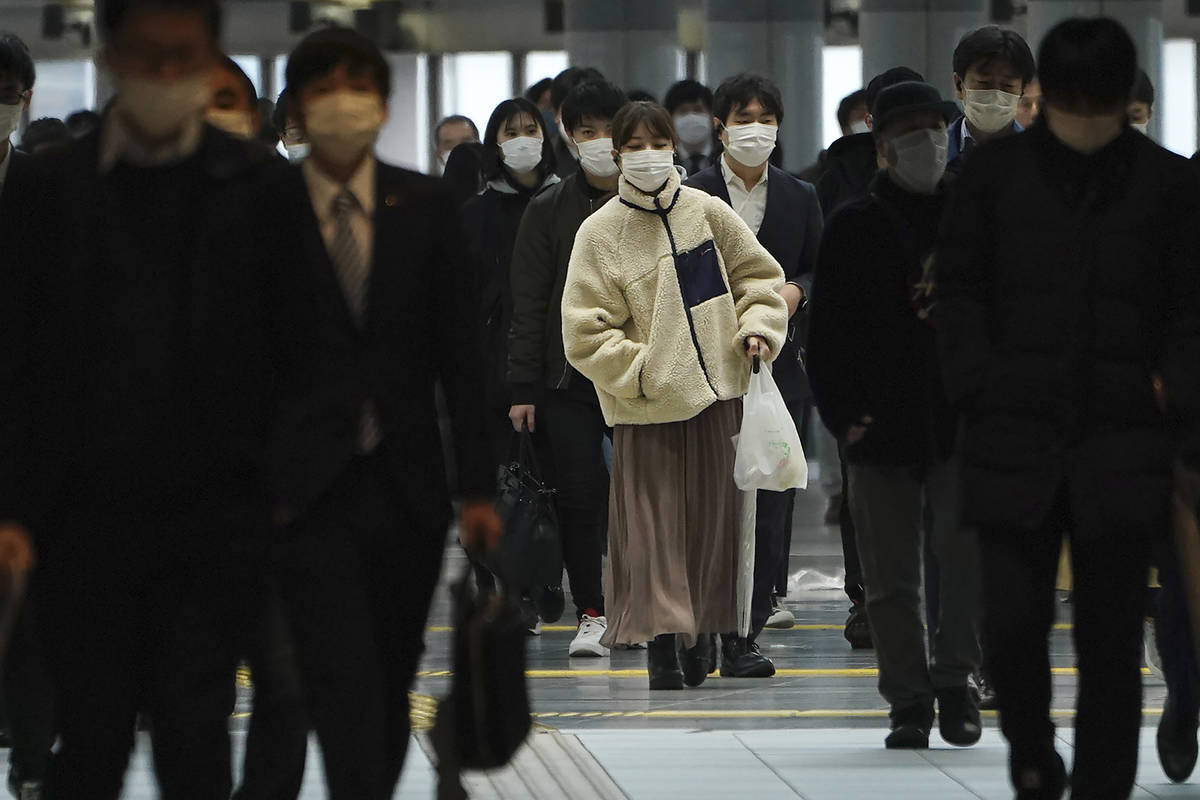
(886, 503)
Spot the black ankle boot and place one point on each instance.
(741, 658)
(662, 661)
(1177, 746)
(1038, 775)
(699, 660)
(958, 716)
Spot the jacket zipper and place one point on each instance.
(662, 213)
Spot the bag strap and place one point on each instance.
(526, 451)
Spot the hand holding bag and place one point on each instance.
(529, 557)
(769, 453)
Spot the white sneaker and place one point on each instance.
(781, 619)
(587, 640)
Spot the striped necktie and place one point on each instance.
(347, 256)
(352, 271)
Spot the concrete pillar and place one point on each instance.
(947, 22)
(919, 34)
(1142, 18)
(652, 51)
(892, 34)
(738, 38)
(595, 36)
(405, 138)
(797, 41)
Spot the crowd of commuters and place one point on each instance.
(225, 402)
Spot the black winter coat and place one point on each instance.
(869, 354)
(1064, 283)
(490, 222)
(850, 166)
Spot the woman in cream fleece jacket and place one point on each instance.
(668, 297)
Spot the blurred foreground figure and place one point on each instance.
(359, 566)
(159, 323)
(1073, 358)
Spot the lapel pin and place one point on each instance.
(390, 200)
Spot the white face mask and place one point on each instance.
(990, 110)
(860, 127)
(522, 154)
(161, 108)
(694, 129)
(1141, 127)
(751, 144)
(596, 157)
(10, 118)
(920, 160)
(297, 152)
(235, 123)
(343, 125)
(648, 170)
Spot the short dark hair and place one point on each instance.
(738, 92)
(16, 61)
(535, 92)
(656, 118)
(848, 104)
(596, 99)
(493, 161)
(568, 79)
(1143, 89)
(687, 91)
(454, 119)
(111, 14)
(323, 51)
(229, 64)
(1087, 63)
(991, 43)
(47, 131)
(283, 109)
(83, 122)
(641, 96)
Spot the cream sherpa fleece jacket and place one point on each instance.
(661, 294)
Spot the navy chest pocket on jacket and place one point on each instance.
(699, 274)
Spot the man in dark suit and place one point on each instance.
(785, 215)
(992, 67)
(164, 328)
(27, 709)
(359, 566)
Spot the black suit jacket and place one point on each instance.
(420, 329)
(258, 334)
(791, 232)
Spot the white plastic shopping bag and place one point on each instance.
(769, 453)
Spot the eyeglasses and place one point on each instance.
(10, 97)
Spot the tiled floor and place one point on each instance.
(815, 731)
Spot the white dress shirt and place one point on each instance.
(323, 190)
(750, 204)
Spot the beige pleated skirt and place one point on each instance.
(674, 528)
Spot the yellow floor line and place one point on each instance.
(1062, 626)
(862, 672)
(776, 713)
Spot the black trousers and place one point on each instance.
(29, 696)
(357, 577)
(138, 613)
(575, 430)
(772, 535)
(1019, 569)
(854, 575)
(277, 741)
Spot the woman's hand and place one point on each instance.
(522, 417)
(757, 346)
